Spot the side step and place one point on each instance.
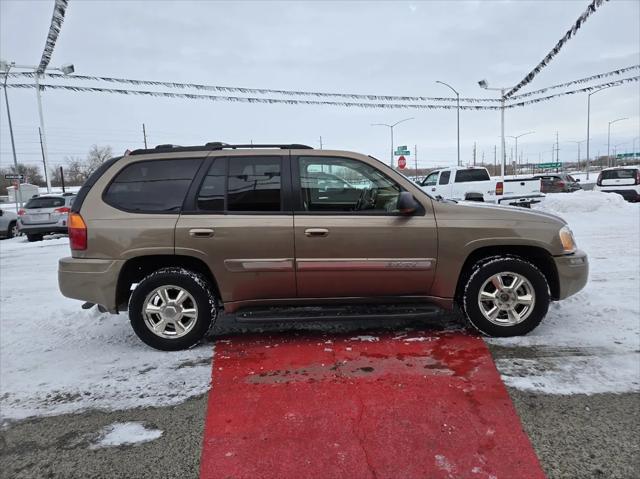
(337, 313)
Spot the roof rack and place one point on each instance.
(217, 145)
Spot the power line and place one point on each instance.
(57, 18)
(259, 91)
(238, 99)
(579, 81)
(556, 49)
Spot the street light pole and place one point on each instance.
(391, 128)
(588, 121)
(484, 84)
(458, 113)
(516, 138)
(609, 162)
(65, 69)
(7, 68)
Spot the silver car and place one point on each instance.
(8, 224)
(45, 215)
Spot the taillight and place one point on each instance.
(637, 177)
(599, 180)
(561, 184)
(64, 209)
(21, 212)
(77, 232)
(499, 188)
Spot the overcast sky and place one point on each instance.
(393, 48)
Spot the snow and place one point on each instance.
(124, 434)
(57, 358)
(590, 342)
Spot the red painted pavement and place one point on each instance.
(327, 406)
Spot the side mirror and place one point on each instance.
(407, 204)
(1, 212)
(577, 180)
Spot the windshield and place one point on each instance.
(618, 174)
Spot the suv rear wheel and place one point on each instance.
(505, 297)
(172, 309)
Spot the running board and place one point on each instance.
(337, 313)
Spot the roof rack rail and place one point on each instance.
(218, 145)
(287, 146)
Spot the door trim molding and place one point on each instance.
(364, 264)
(259, 265)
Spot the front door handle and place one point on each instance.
(201, 232)
(433, 189)
(316, 232)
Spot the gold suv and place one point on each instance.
(276, 232)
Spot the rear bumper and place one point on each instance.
(573, 273)
(520, 200)
(91, 280)
(42, 229)
(629, 195)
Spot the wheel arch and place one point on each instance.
(537, 256)
(135, 269)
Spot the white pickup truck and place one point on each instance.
(475, 184)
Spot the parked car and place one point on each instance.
(475, 184)
(176, 234)
(624, 180)
(43, 215)
(559, 183)
(8, 224)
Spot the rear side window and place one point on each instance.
(155, 186)
(618, 174)
(44, 202)
(444, 178)
(471, 175)
(242, 184)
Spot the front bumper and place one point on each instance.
(91, 280)
(573, 273)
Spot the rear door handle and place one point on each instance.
(201, 232)
(316, 232)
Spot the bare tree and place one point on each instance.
(97, 155)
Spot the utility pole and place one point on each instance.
(144, 135)
(18, 198)
(557, 151)
(609, 160)
(44, 161)
(62, 178)
(474, 153)
(495, 159)
(458, 113)
(321, 142)
(415, 149)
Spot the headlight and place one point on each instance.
(566, 237)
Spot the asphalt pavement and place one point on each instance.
(576, 436)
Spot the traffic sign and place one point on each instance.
(14, 177)
(402, 162)
(400, 152)
(550, 165)
(627, 155)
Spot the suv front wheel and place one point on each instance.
(505, 297)
(172, 308)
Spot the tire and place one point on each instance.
(172, 335)
(34, 237)
(534, 289)
(12, 231)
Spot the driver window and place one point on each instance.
(431, 180)
(344, 185)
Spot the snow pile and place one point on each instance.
(125, 434)
(585, 202)
(590, 342)
(56, 358)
